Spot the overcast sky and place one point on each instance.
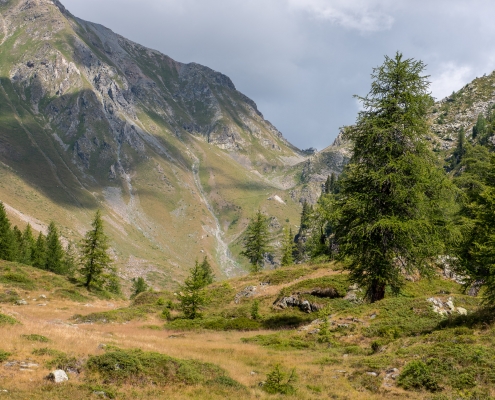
(302, 61)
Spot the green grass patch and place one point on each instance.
(36, 338)
(215, 324)
(71, 294)
(4, 355)
(137, 367)
(17, 279)
(7, 320)
(119, 315)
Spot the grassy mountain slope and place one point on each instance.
(395, 348)
(176, 157)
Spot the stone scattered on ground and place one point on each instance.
(295, 301)
(445, 307)
(21, 302)
(57, 376)
(248, 291)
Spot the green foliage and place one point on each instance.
(206, 271)
(257, 241)
(215, 324)
(96, 263)
(70, 260)
(479, 130)
(119, 315)
(7, 320)
(278, 381)
(393, 205)
(17, 279)
(193, 296)
(4, 355)
(38, 254)
(136, 367)
(139, 285)
(27, 245)
(475, 252)
(255, 310)
(36, 338)
(54, 251)
(417, 375)
(7, 239)
(288, 247)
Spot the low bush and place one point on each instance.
(278, 381)
(36, 338)
(137, 367)
(4, 355)
(6, 320)
(17, 279)
(417, 375)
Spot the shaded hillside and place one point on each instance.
(176, 157)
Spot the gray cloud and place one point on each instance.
(302, 60)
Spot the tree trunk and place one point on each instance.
(376, 291)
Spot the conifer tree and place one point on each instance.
(38, 254)
(475, 252)
(460, 148)
(288, 247)
(94, 257)
(393, 198)
(257, 241)
(7, 247)
(70, 260)
(27, 245)
(480, 128)
(54, 251)
(192, 295)
(207, 271)
(16, 244)
(139, 285)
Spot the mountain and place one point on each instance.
(175, 156)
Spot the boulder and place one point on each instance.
(57, 376)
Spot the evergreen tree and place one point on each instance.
(460, 148)
(288, 247)
(38, 254)
(16, 244)
(192, 295)
(391, 209)
(328, 185)
(70, 260)
(475, 252)
(256, 241)
(27, 245)
(7, 245)
(94, 256)
(480, 128)
(307, 209)
(54, 251)
(139, 285)
(207, 271)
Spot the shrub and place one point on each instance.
(279, 382)
(17, 279)
(36, 338)
(137, 367)
(6, 320)
(4, 355)
(417, 375)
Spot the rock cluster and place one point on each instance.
(446, 307)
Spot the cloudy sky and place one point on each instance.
(302, 61)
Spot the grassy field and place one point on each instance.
(144, 349)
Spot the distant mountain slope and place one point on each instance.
(176, 157)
